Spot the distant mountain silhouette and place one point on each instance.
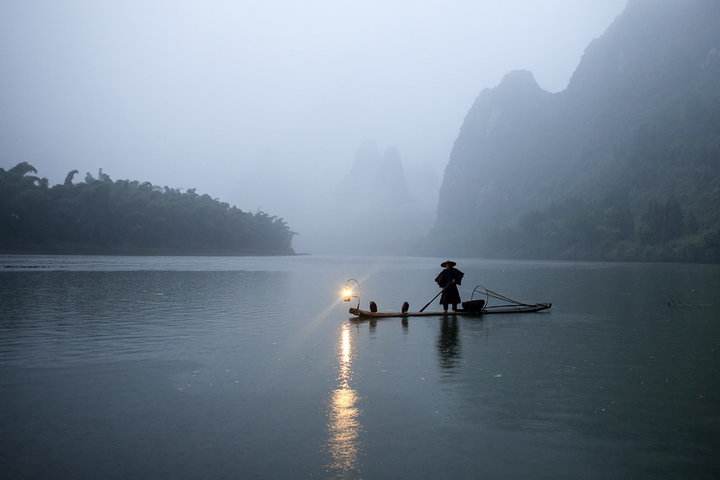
(623, 164)
(372, 211)
(380, 176)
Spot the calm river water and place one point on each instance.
(210, 367)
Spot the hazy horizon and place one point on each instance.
(263, 104)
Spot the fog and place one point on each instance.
(264, 103)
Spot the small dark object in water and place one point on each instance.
(405, 307)
(473, 305)
(373, 307)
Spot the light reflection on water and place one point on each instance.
(344, 421)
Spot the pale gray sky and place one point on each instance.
(262, 103)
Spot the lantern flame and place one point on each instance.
(347, 293)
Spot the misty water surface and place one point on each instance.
(160, 367)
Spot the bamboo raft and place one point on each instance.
(480, 308)
(538, 307)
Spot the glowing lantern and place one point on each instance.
(347, 293)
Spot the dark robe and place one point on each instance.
(450, 296)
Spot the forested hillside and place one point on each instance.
(100, 215)
(622, 165)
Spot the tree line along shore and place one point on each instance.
(102, 216)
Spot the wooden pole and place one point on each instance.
(433, 299)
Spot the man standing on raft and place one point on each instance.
(448, 280)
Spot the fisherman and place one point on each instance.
(448, 280)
